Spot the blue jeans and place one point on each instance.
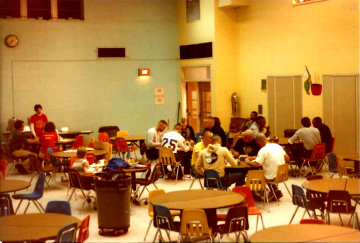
(238, 178)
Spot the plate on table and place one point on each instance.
(141, 166)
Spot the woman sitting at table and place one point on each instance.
(82, 165)
(48, 138)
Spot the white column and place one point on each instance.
(54, 9)
(23, 9)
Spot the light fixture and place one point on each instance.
(144, 72)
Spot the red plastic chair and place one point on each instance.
(252, 210)
(318, 154)
(104, 137)
(312, 221)
(80, 141)
(84, 230)
(122, 146)
(3, 164)
(91, 158)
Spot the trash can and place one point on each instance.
(113, 202)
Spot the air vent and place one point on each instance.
(201, 50)
(111, 52)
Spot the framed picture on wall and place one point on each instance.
(159, 91)
(159, 100)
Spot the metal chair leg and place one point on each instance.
(201, 184)
(262, 221)
(40, 205)
(274, 195)
(192, 183)
(151, 220)
(27, 207)
(257, 221)
(18, 206)
(341, 220)
(34, 202)
(287, 189)
(294, 214)
(71, 194)
(11, 167)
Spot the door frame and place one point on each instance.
(183, 89)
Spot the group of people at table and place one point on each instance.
(46, 134)
(254, 148)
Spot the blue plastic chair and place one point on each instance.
(332, 163)
(60, 207)
(212, 180)
(163, 220)
(34, 196)
(6, 207)
(195, 178)
(67, 233)
(197, 136)
(299, 199)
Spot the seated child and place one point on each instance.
(82, 165)
(48, 138)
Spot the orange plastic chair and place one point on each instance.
(312, 221)
(343, 171)
(194, 224)
(84, 230)
(80, 141)
(104, 137)
(282, 175)
(318, 154)
(90, 143)
(167, 157)
(91, 158)
(3, 164)
(252, 210)
(72, 161)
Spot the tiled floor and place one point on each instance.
(279, 215)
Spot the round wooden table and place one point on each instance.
(328, 184)
(306, 233)
(33, 227)
(13, 185)
(64, 154)
(200, 199)
(208, 200)
(62, 142)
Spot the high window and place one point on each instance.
(42, 9)
(192, 10)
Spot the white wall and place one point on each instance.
(56, 64)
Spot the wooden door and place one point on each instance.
(192, 105)
(204, 103)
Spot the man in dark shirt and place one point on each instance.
(17, 143)
(246, 146)
(215, 129)
(325, 133)
(187, 131)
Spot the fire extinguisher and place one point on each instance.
(235, 104)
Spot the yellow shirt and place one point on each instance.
(196, 151)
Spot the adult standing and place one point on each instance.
(249, 121)
(153, 140)
(216, 129)
(325, 133)
(38, 121)
(17, 144)
(258, 127)
(187, 131)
